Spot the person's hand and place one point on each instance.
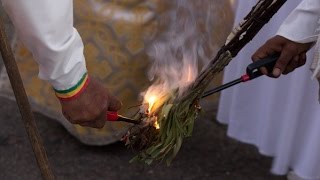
(90, 108)
(292, 54)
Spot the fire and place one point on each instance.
(154, 98)
(161, 91)
(151, 101)
(156, 124)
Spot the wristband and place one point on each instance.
(74, 91)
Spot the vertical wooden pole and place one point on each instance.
(23, 104)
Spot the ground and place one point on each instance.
(208, 154)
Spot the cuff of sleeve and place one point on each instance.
(74, 91)
(292, 37)
(302, 25)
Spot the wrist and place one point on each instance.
(74, 91)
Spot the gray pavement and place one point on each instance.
(208, 154)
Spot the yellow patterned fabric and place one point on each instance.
(116, 34)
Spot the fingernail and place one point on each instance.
(276, 72)
(264, 70)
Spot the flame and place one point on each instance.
(175, 57)
(154, 97)
(156, 124)
(154, 100)
(158, 93)
(151, 101)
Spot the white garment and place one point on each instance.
(46, 28)
(303, 25)
(280, 116)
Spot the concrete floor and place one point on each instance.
(208, 154)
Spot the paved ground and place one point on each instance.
(209, 154)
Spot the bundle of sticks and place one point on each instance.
(177, 115)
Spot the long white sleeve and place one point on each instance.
(302, 25)
(46, 28)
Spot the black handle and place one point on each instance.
(253, 69)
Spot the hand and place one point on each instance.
(292, 54)
(90, 108)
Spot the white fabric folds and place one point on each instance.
(303, 26)
(46, 28)
(279, 116)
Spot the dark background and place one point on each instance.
(208, 154)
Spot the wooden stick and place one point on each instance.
(24, 106)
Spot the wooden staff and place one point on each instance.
(23, 104)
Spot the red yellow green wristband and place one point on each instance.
(74, 91)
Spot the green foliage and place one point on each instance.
(176, 122)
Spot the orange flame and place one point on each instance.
(158, 93)
(156, 124)
(151, 101)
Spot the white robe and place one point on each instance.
(46, 28)
(279, 116)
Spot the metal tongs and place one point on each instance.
(252, 72)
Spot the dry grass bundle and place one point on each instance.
(177, 115)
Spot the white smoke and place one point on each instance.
(185, 45)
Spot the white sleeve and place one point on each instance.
(302, 25)
(46, 28)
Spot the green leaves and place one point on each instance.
(177, 119)
(176, 122)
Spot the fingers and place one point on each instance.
(93, 117)
(292, 55)
(288, 59)
(292, 65)
(92, 114)
(96, 118)
(272, 46)
(302, 60)
(99, 122)
(114, 103)
(295, 63)
(95, 124)
(90, 108)
(260, 54)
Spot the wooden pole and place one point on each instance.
(23, 104)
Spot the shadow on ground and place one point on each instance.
(208, 154)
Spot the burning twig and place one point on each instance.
(176, 115)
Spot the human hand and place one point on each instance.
(292, 54)
(91, 106)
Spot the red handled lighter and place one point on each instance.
(252, 73)
(114, 116)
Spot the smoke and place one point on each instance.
(183, 47)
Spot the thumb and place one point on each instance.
(114, 103)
